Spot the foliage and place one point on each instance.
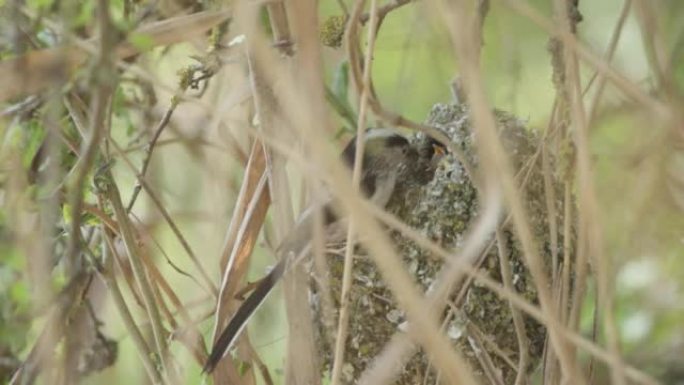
(143, 146)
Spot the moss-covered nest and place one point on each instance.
(440, 202)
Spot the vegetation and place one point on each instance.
(153, 154)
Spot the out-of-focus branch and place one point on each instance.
(35, 70)
(109, 277)
(111, 191)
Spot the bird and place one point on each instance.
(387, 153)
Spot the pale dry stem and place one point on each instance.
(341, 339)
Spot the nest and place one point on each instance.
(440, 202)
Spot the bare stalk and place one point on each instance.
(518, 322)
(109, 277)
(341, 339)
(112, 192)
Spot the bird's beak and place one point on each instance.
(438, 150)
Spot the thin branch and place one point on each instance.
(486, 364)
(610, 52)
(210, 286)
(108, 276)
(518, 322)
(111, 191)
(590, 215)
(38, 67)
(628, 87)
(277, 16)
(103, 79)
(148, 151)
(384, 10)
(343, 321)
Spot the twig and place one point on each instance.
(265, 374)
(38, 67)
(104, 81)
(384, 10)
(473, 329)
(482, 355)
(518, 322)
(343, 321)
(150, 147)
(277, 17)
(656, 49)
(567, 246)
(172, 224)
(111, 191)
(109, 278)
(590, 216)
(549, 359)
(197, 347)
(610, 52)
(619, 80)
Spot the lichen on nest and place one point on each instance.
(440, 202)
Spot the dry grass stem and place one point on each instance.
(341, 338)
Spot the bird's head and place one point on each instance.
(386, 152)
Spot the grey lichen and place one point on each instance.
(440, 202)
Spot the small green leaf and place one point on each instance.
(243, 367)
(90, 219)
(338, 95)
(34, 134)
(265, 21)
(340, 84)
(66, 213)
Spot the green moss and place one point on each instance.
(332, 31)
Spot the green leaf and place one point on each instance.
(90, 219)
(34, 134)
(243, 367)
(141, 41)
(338, 95)
(265, 21)
(66, 213)
(340, 83)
